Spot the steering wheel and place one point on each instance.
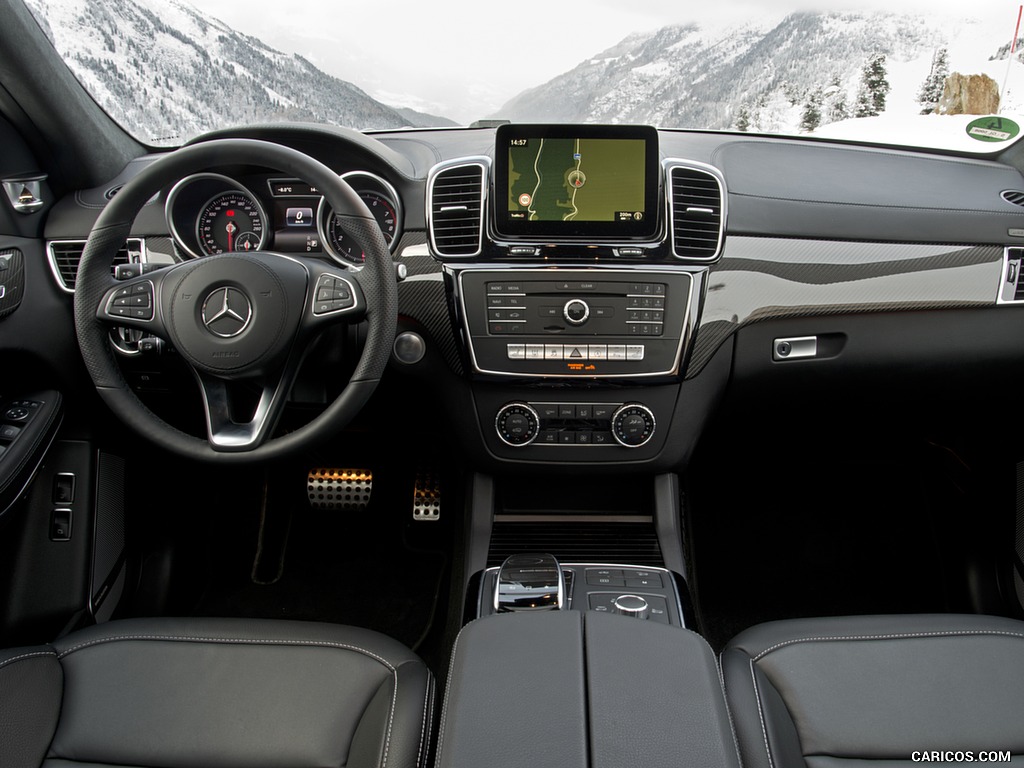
(236, 316)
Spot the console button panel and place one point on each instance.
(596, 587)
(575, 323)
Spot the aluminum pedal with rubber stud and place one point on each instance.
(426, 498)
(339, 489)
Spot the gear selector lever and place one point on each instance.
(529, 583)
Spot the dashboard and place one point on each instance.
(588, 294)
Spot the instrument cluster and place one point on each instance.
(211, 213)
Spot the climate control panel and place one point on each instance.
(629, 425)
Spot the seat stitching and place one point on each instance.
(903, 636)
(391, 719)
(229, 641)
(760, 714)
(423, 724)
(447, 692)
(728, 709)
(27, 656)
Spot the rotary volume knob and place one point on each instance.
(576, 311)
(517, 424)
(633, 425)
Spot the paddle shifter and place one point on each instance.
(530, 583)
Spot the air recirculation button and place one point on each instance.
(517, 424)
(633, 425)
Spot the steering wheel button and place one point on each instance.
(139, 301)
(142, 313)
(324, 294)
(140, 288)
(121, 311)
(122, 302)
(341, 294)
(122, 292)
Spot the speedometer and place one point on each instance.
(231, 221)
(382, 201)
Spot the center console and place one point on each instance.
(575, 259)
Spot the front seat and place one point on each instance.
(164, 693)
(885, 690)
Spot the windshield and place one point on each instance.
(949, 76)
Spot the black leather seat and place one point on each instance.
(827, 693)
(164, 693)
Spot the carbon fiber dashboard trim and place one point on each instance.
(766, 279)
(421, 296)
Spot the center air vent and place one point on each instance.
(455, 207)
(697, 207)
(66, 254)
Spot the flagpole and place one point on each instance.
(1009, 59)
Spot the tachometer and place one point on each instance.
(382, 200)
(231, 221)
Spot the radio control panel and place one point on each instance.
(575, 323)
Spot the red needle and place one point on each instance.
(231, 231)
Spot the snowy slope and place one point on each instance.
(704, 77)
(166, 72)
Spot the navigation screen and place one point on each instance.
(576, 181)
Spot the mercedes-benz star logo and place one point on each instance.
(226, 312)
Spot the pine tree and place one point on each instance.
(874, 87)
(834, 105)
(743, 118)
(811, 117)
(931, 88)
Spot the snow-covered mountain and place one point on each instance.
(167, 72)
(762, 73)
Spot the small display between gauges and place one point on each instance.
(304, 222)
(230, 222)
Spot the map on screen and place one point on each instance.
(576, 179)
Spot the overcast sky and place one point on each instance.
(465, 58)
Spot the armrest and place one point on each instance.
(583, 690)
(28, 424)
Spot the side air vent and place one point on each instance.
(1011, 287)
(1014, 196)
(456, 195)
(110, 193)
(697, 209)
(66, 254)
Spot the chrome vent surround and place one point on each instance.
(456, 201)
(64, 256)
(1013, 196)
(697, 210)
(1011, 287)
